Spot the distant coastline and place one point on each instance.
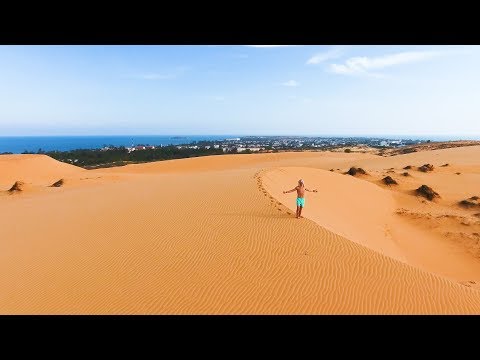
(112, 156)
(19, 144)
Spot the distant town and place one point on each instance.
(271, 143)
(109, 155)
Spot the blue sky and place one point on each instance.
(244, 90)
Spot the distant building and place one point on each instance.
(252, 149)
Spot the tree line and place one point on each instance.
(116, 156)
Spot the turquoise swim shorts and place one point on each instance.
(301, 202)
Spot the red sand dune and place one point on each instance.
(214, 235)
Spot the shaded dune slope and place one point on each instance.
(39, 169)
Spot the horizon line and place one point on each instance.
(244, 134)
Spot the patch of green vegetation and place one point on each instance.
(120, 156)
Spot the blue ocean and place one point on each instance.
(19, 144)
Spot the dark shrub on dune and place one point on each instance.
(348, 150)
(389, 181)
(474, 198)
(332, 170)
(427, 192)
(352, 171)
(406, 174)
(58, 183)
(467, 204)
(355, 171)
(426, 167)
(458, 173)
(408, 167)
(444, 165)
(18, 186)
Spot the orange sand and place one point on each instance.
(211, 236)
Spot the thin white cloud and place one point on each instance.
(291, 83)
(362, 65)
(171, 74)
(269, 46)
(153, 76)
(333, 53)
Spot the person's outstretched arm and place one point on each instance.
(314, 190)
(289, 191)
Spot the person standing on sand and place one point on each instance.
(300, 196)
